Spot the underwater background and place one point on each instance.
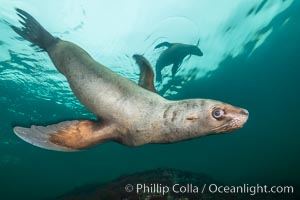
(250, 60)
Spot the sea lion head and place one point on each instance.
(210, 117)
(194, 50)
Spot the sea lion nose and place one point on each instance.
(244, 112)
(244, 115)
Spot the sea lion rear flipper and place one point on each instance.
(146, 79)
(33, 31)
(163, 44)
(68, 135)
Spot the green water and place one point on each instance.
(264, 79)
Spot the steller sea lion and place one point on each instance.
(174, 54)
(127, 113)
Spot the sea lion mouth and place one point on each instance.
(229, 126)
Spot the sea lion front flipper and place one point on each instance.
(163, 44)
(68, 135)
(175, 68)
(146, 79)
(189, 56)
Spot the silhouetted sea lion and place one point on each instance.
(126, 112)
(174, 54)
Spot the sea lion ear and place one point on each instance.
(192, 116)
(146, 79)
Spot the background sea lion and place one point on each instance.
(126, 112)
(174, 54)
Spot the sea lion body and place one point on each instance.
(127, 113)
(106, 93)
(102, 91)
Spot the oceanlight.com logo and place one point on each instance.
(250, 189)
(156, 188)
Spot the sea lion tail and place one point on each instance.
(68, 135)
(33, 31)
(146, 79)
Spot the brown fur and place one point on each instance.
(85, 133)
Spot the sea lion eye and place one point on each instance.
(217, 113)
